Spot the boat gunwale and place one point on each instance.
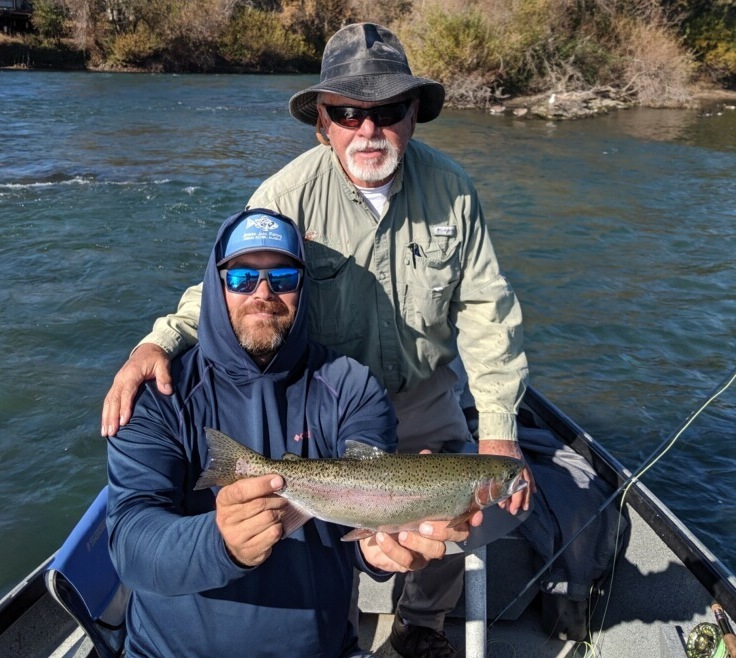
(708, 569)
(23, 596)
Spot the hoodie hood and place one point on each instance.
(217, 340)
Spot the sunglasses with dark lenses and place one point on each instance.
(381, 115)
(245, 280)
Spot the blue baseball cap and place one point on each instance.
(262, 230)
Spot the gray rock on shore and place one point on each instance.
(568, 105)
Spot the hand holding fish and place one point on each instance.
(248, 515)
(521, 500)
(412, 550)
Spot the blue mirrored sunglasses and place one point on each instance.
(245, 280)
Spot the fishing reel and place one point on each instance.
(705, 641)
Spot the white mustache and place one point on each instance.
(365, 144)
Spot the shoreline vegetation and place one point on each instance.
(552, 59)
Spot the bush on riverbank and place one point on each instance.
(715, 37)
(258, 41)
(481, 50)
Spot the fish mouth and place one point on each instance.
(517, 484)
(498, 492)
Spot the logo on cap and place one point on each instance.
(254, 231)
(262, 222)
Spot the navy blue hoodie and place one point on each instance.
(189, 597)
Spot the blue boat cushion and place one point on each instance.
(82, 579)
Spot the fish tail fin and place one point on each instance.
(224, 455)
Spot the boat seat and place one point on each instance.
(83, 580)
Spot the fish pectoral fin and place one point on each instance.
(293, 519)
(459, 520)
(358, 534)
(358, 450)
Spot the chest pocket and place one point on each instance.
(333, 280)
(432, 273)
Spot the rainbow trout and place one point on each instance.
(369, 489)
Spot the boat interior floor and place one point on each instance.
(647, 609)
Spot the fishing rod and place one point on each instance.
(624, 487)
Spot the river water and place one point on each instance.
(618, 234)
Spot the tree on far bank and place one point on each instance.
(49, 19)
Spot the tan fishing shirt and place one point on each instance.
(402, 292)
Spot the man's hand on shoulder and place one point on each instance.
(522, 499)
(148, 361)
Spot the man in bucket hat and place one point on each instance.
(402, 277)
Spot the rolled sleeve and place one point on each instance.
(497, 426)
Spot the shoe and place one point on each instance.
(419, 642)
(564, 618)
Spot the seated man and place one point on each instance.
(212, 574)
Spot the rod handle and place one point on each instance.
(729, 639)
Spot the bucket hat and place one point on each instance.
(366, 62)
